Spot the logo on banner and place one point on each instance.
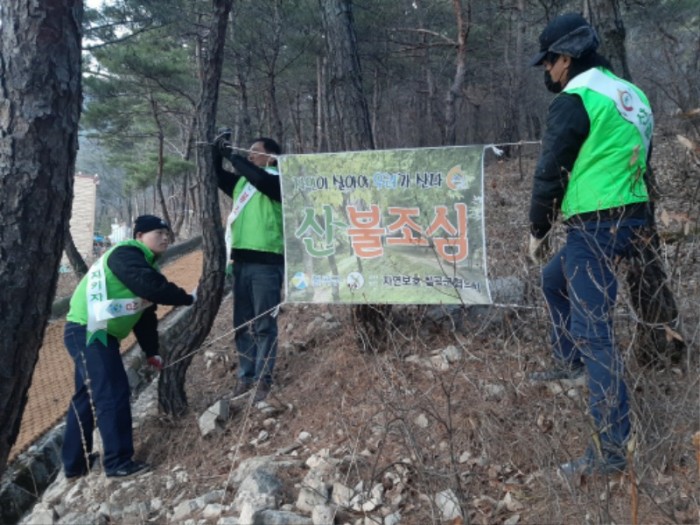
(300, 281)
(355, 280)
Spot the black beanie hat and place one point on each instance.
(147, 223)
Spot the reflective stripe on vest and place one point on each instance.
(630, 106)
(244, 198)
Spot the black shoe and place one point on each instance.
(261, 392)
(129, 469)
(558, 373)
(92, 459)
(241, 388)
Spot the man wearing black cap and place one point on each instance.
(119, 294)
(592, 170)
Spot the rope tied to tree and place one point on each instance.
(274, 312)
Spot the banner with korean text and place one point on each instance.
(401, 226)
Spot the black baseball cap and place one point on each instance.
(147, 223)
(568, 34)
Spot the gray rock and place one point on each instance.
(309, 497)
(259, 491)
(280, 517)
(316, 485)
(228, 520)
(322, 515)
(421, 421)
(261, 481)
(60, 509)
(393, 518)
(134, 378)
(208, 424)
(213, 510)
(248, 466)
(106, 509)
(215, 496)
(221, 409)
(187, 508)
(341, 495)
(77, 518)
(451, 353)
(139, 509)
(494, 392)
(448, 504)
(438, 363)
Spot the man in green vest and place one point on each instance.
(119, 294)
(255, 245)
(592, 170)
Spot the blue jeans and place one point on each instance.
(101, 396)
(256, 289)
(580, 288)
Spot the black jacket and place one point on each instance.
(130, 266)
(567, 128)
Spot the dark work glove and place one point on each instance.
(222, 142)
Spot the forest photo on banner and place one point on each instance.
(402, 226)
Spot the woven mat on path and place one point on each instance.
(52, 382)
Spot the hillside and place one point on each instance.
(442, 411)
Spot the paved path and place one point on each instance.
(52, 382)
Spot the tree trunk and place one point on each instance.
(276, 126)
(158, 187)
(194, 326)
(354, 123)
(455, 90)
(244, 121)
(318, 101)
(184, 203)
(511, 128)
(605, 16)
(181, 218)
(658, 341)
(74, 257)
(350, 104)
(40, 96)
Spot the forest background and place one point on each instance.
(419, 74)
(433, 73)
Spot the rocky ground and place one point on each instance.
(437, 425)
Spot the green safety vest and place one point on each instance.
(610, 167)
(258, 226)
(128, 305)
